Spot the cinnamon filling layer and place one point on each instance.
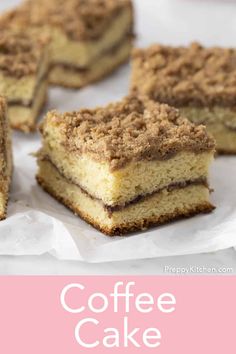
(114, 208)
(111, 51)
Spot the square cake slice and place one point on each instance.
(200, 82)
(5, 158)
(127, 166)
(89, 38)
(23, 76)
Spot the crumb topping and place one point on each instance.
(181, 76)
(20, 53)
(80, 19)
(131, 130)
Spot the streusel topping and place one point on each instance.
(186, 75)
(80, 19)
(20, 53)
(133, 129)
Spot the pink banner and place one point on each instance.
(67, 315)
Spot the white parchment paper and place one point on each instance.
(37, 224)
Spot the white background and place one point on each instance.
(169, 21)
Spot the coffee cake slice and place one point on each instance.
(23, 76)
(5, 158)
(200, 82)
(127, 166)
(89, 39)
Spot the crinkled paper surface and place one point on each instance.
(37, 224)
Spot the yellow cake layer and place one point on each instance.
(17, 89)
(3, 205)
(225, 138)
(65, 50)
(158, 208)
(220, 122)
(64, 76)
(24, 118)
(136, 178)
(23, 88)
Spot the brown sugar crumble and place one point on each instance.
(183, 76)
(131, 130)
(20, 53)
(79, 19)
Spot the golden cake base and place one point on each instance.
(25, 118)
(156, 209)
(219, 121)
